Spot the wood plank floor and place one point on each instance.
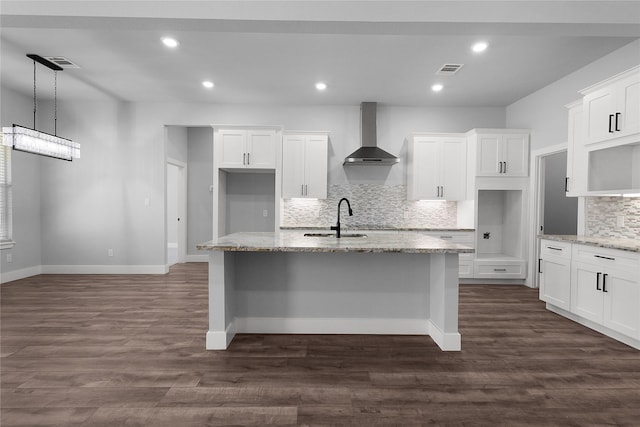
(129, 351)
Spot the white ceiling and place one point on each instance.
(272, 52)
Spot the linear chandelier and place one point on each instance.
(37, 142)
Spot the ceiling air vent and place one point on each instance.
(61, 61)
(449, 69)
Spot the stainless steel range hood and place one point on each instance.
(369, 153)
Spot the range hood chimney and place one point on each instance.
(369, 153)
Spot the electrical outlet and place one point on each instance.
(9, 257)
(317, 213)
(147, 202)
(110, 252)
(620, 221)
(265, 213)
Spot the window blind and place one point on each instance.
(5, 192)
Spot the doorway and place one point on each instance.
(176, 212)
(554, 212)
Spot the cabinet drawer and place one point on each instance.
(550, 248)
(500, 269)
(606, 257)
(461, 237)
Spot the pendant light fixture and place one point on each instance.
(34, 141)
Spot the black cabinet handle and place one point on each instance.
(598, 281)
(499, 167)
(554, 249)
(617, 117)
(504, 169)
(605, 257)
(540, 265)
(604, 282)
(610, 120)
(566, 184)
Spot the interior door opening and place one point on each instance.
(176, 213)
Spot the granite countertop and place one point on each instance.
(295, 241)
(630, 245)
(380, 228)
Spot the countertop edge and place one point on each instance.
(627, 245)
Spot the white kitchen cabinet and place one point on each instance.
(554, 271)
(577, 155)
(501, 152)
(237, 148)
(605, 288)
(304, 165)
(612, 108)
(437, 167)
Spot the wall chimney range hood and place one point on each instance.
(369, 153)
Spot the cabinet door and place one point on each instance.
(231, 148)
(454, 169)
(599, 108)
(315, 166)
(488, 156)
(261, 149)
(292, 166)
(555, 281)
(629, 105)
(515, 155)
(621, 291)
(426, 169)
(586, 298)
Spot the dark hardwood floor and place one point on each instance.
(129, 351)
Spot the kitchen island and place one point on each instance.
(286, 282)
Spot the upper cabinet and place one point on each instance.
(612, 108)
(604, 138)
(502, 153)
(238, 148)
(437, 167)
(304, 165)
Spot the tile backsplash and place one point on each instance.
(381, 206)
(602, 213)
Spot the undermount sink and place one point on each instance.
(333, 235)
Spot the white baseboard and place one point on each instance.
(279, 325)
(23, 273)
(105, 269)
(197, 258)
(220, 340)
(447, 341)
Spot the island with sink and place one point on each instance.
(294, 282)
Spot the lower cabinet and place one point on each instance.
(606, 294)
(599, 287)
(554, 270)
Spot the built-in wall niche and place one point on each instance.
(615, 170)
(499, 223)
(499, 235)
(246, 201)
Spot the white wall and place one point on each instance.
(543, 111)
(16, 108)
(199, 178)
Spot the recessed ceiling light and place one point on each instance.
(479, 47)
(321, 86)
(437, 87)
(207, 84)
(170, 42)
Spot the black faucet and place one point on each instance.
(337, 226)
